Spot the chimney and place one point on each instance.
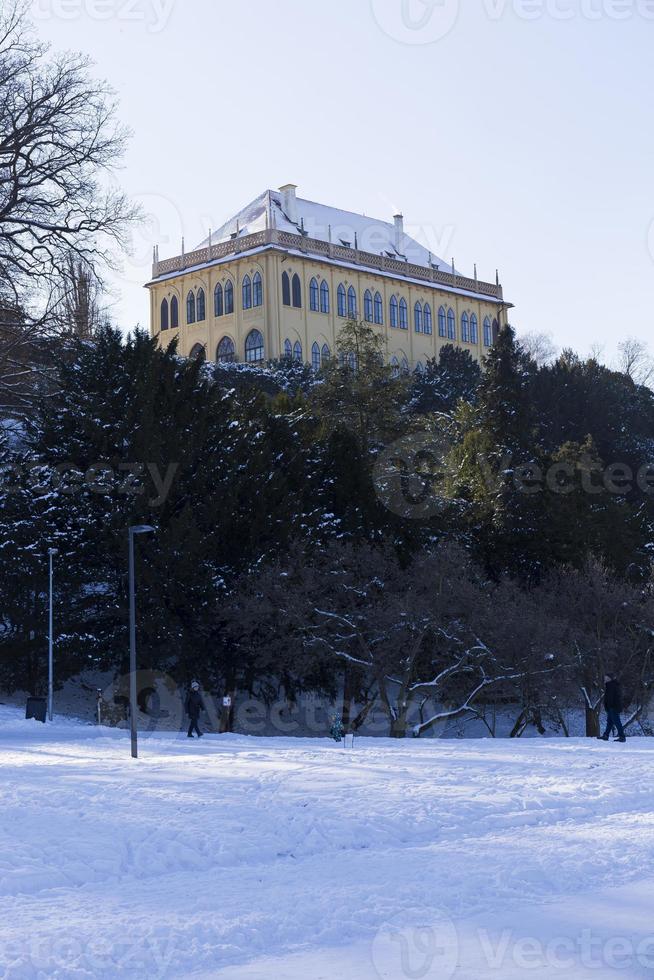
(289, 201)
(399, 231)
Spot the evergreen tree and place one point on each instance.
(452, 377)
(496, 457)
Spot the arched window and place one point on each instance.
(429, 326)
(451, 325)
(314, 295)
(367, 307)
(342, 307)
(226, 351)
(404, 315)
(218, 305)
(229, 297)
(495, 331)
(257, 290)
(198, 353)
(465, 328)
(379, 308)
(442, 322)
(297, 292)
(488, 333)
(297, 351)
(326, 354)
(395, 367)
(404, 366)
(201, 306)
(352, 303)
(474, 329)
(286, 289)
(394, 314)
(247, 293)
(190, 307)
(324, 296)
(288, 349)
(254, 347)
(164, 314)
(174, 313)
(420, 368)
(315, 357)
(417, 317)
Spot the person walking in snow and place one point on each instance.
(613, 705)
(194, 705)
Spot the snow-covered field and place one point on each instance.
(244, 859)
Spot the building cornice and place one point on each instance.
(333, 254)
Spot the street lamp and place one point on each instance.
(136, 529)
(51, 553)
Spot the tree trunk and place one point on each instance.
(227, 715)
(363, 714)
(592, 722)
(398, 726)
(562, 723)
(519, 726)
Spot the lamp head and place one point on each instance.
(141, 529)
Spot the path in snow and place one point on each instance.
(250, 858)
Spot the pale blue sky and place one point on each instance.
(514, 133)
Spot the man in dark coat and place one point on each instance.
(194, 705)
(613, 705)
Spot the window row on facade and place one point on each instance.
(320, 355)
(223, 302)
(226, 349)
(466, 330)
(347, 306)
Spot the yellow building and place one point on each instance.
(282, 276)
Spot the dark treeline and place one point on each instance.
(433, 542)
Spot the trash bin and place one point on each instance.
(36, 708)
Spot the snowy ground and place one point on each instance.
(244, 859)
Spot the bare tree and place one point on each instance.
(59, 142)
(609, 631)
(635, 360)
(539, 346)
(78, 308)
(412, 631)
(60, 221)
(596, 353)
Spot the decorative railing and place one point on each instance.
(314, 246)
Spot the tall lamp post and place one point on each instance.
(133, 531)
(51, 553)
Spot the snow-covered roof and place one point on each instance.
(319, 221)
